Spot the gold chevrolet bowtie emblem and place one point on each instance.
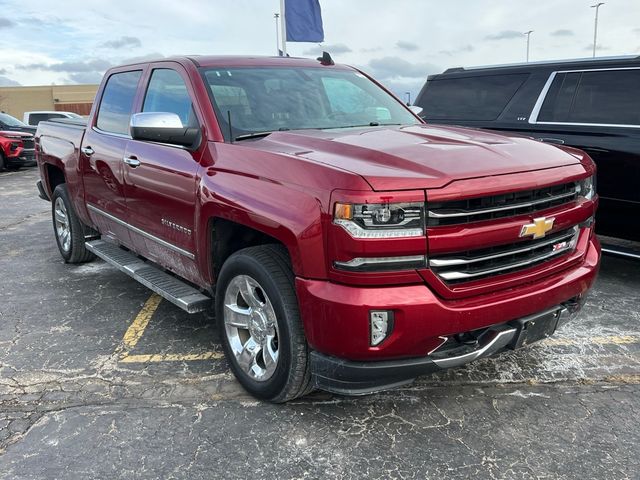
(538, 228)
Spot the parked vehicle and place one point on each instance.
(590, 104)
(34, 118)
(16, 150)
(348, 246)
(9, 123)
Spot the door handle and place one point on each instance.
(88, 151)
(131, 161)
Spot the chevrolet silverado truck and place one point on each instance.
(344, 244)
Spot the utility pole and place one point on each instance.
(528, 34)
(595, 27)
(408, 94)
(276, 16)
(283, 28)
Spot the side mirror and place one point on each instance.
(162, 127)
(416, 109)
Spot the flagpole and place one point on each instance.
(283, 27)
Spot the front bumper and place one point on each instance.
(336, 321)
(359, 378)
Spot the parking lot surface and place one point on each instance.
(99, 378)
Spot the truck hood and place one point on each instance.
(418, 156)
(15, 134)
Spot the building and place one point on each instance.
(69, 98)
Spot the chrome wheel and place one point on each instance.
(251, 327)
(63, 227)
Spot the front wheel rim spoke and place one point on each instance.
(247, 357)
(237, 316)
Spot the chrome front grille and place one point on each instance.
(500, 206)
(486, 262)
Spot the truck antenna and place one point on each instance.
(229, 123)
(326, 59)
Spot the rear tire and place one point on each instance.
(68, 228)
(259, 324)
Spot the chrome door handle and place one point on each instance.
(88, 151)
(131, 161)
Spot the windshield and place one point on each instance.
(269, 99)
(10, 121)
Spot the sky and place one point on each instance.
(399, 42)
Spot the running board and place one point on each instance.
(181, 294)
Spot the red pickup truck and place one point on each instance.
(346, 244)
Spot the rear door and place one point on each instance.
(161, 180)
(102, 153)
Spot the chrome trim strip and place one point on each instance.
(489, 271)
(111, 134)
(576, 124)
(360, 261)
(501, 209)
(533, 118)
(447, 262)
(622, 253)
(142, 232)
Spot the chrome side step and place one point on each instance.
(181, 294)
(620, 251)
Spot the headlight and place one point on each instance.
(380, 220)
(587, 188)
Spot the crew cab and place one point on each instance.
(16, 149)
(345, 244)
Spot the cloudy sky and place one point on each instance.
(398, 41)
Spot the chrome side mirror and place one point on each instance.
(162, 127)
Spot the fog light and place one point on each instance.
(380, 326)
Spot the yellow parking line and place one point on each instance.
(605, 340)
(136, 329)
(172, 357)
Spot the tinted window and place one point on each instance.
(559, 98)
(167, 92)
(283, 98)
(36, 118)
(117, 102)
(607, 97)
(472, 98)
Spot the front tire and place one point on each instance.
(68, 228)
(259, 324)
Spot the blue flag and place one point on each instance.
(304, 21)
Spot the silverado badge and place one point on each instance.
(538, 228)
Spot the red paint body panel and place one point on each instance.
(286, 184)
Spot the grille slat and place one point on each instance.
(500, 206)
(482, 263)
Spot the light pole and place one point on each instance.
(276, 16)
(595, 27)
(408, 94)
(528, 34)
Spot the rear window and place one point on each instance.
(117, 102)
(610, 97)
(471, 98)
(36, 118)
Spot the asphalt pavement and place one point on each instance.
(99, 378)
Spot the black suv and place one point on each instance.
(9, 123)
(590, 104)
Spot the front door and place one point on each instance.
(161, 182)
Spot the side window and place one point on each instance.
(609, 97)
(167, 92)
(117, 102)
(470, 98)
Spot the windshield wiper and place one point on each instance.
(252, 135)
(370, 124)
